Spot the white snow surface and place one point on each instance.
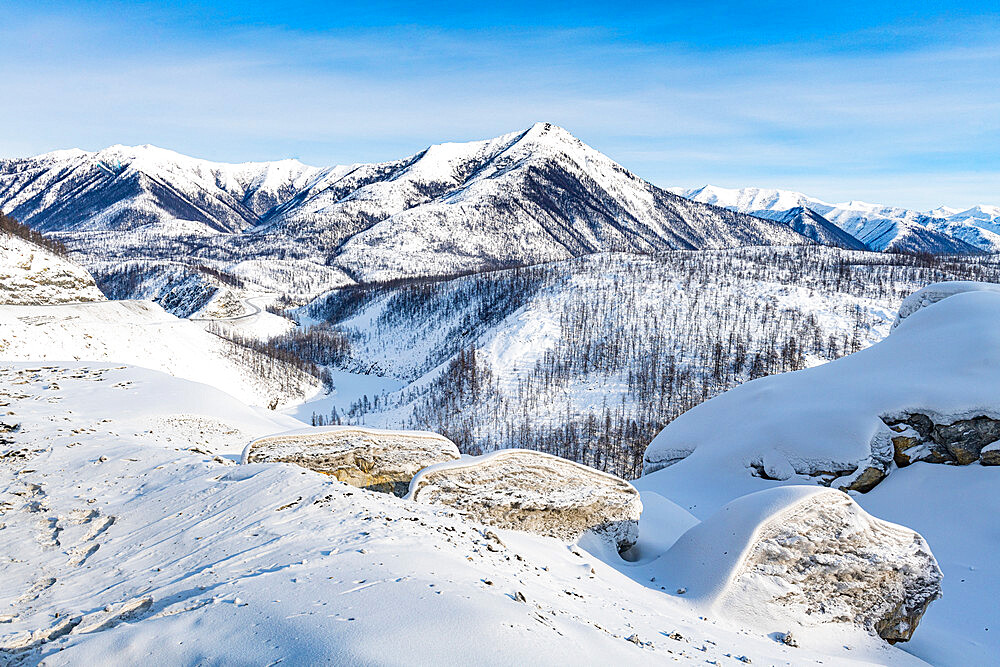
(137, 543)
(931, 294)
(142, 333)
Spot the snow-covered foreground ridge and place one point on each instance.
(142, 333)
(134, 538)
(882, 421)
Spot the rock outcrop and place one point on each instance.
(534, 492)
(809, 556)
(368, 458)
(33, 275)
(920, 437)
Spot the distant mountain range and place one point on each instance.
(144, 219)
(879, 227)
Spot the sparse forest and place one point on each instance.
(629, 343)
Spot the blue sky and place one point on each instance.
(875, 101)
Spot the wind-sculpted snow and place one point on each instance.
(535, 492)
(373, 459)
(931, 294)
(138, 541)
(809, 555)
(33, 275)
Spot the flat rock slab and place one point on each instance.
(538, 493)
(368, 458)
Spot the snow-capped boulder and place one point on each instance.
(930, 391)
(804, 555)
(535, 492)
(931, 294)
(369, 458)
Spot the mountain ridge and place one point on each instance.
(524, 197)
(880, 227)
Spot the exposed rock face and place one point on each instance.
(33, 275)
(990, 456)
(537, 493)
(372, 459)
(867, 480)
(959, 442)
(812, 555)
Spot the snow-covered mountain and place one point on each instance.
(811, 224)
(530, 196)
(127, 187)
(521, 198)
(879, 227)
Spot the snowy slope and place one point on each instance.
(142, 333)
(137, 543)
(521, 198)
(31, 274)
(943, 359)
(879, 227)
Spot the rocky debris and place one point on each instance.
(788, 640)
(808, 554)
(919, 437)
(866, 481)
(990, 454)
(368, 458)
(534, 492)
